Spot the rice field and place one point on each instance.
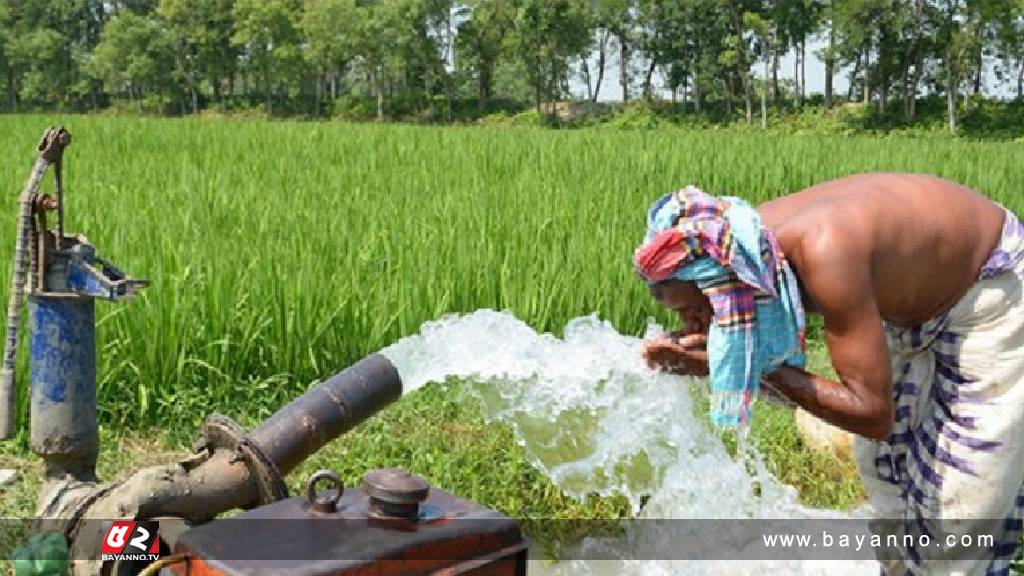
(281, 252)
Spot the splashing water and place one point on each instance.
(595, 419)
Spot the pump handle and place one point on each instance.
(50, 149)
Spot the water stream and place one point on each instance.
(594, 419)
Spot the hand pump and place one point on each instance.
(62, 276)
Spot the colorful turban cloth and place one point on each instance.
(758, 324)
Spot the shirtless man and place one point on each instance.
(918, 281)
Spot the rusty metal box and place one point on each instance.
(449, 535)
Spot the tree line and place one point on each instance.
(186, 55)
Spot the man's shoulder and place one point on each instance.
(832, 261)
(822, 236)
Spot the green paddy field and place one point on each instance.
(281, 252)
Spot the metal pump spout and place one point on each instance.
(232, 469)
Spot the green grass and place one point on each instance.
(281, 252)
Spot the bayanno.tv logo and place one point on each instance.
(131, 540)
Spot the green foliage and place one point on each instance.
(36, 51)
(42, 554)
(529, 117)
(483, 39)
(331, 30)
(354, 109)
(420, 59)
(547, 34)
(201, 33)
(639, 115)
(268, 30)
(134, 54)
(985, 119)
(499, 118)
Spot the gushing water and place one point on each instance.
(595, 419)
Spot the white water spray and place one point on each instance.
(595, 419)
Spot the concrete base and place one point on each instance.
(8, 476)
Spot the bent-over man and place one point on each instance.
(919, 284)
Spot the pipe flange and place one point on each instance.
(268, 478)
(222, 433)
(219, 431)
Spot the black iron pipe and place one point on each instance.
(334, 407)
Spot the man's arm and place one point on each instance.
(861, 401)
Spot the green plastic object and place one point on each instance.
(43, 554)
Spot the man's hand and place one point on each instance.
(685, 355)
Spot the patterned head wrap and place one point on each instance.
(720, 245)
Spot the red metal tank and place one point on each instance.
(394, 524)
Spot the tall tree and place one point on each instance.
(704, 43)
(268, 31)
(482, 40)
(547, 35)
(801, 24)
(434, 47)
(38, 57)
(959, 27)
(45, 45)
(375, 34)
(738, 54)
(828, 54)
(1006, 23)
(651, 22)
(133, 56)
(331, 33)
(763, 30)
(916, 35)
(6, 68)
(201, 31)
(855, 25)
(666, 31)
(613, 19)
(604, 14)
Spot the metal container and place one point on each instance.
(62, 336)
(347, 532)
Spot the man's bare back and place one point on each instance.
(921, 239)
(896, 247)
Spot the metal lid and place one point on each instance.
(395, 486)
